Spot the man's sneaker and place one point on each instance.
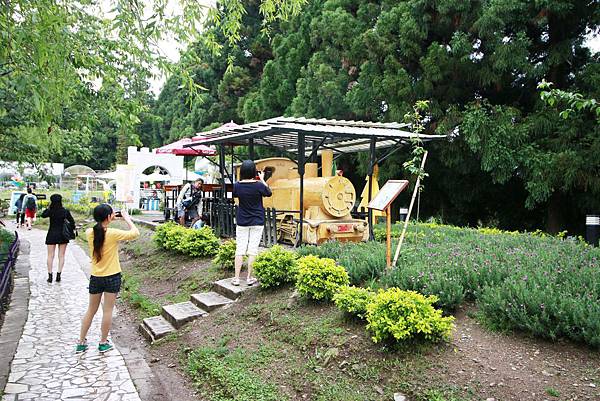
(81, 348)
(104, 347)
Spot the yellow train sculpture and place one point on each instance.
(328, 201)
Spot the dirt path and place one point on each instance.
(516, 367)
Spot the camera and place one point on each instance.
(118, 213)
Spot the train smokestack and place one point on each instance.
(326, 163)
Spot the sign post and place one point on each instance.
(383, 202)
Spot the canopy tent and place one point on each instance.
(177, 148)
(283, 133)
(225, 127)
(303, 137)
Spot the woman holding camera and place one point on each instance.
(105, 279)
(250, 217)
(59, 217)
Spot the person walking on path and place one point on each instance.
(20, 212)
(105, 279)
(30, 206)
(250, 217)
(59, 217)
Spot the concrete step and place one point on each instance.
(182, 313)
(153, 328)
(227, 289)
(210, 301)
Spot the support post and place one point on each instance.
(251, 148)
(222, 169)
(388, 238)
(301, 162)
(372, 161)
(185, 167)
(313, 154)
(412, 203)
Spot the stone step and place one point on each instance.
(226, 288)
(210, 301)
(182, 313)
(153, 328)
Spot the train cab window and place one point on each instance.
(269, 172)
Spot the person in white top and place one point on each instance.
(185, 196)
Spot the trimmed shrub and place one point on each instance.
(226, 255)
(320, 278)
(403, 315)
(198, 242)
(354, 300)
(275, 267)
(160, 233)
(364, 261)
(172, 236)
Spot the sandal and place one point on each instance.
(235, 281)
(251, 281)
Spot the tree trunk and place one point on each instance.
(555, 218)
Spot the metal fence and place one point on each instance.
(221, 217)
(7, 269)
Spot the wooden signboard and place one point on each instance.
(387, 194)
(383, 201)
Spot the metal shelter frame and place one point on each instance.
(292, 135)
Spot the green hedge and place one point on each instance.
(201, 242)
(363, 261)
(275, 267)
(544, 285)
(319, 278)
(226, 255)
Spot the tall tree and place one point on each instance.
(50, 49)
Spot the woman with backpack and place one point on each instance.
(61, 230)
(20, 212)
(30, 206)
(105, 278)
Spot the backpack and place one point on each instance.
(30, 204)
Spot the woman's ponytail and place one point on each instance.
(101, 213)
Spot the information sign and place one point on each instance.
(387, 194)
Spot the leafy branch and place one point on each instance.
(417, 121)
(572, 102)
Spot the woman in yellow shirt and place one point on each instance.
(105, 278)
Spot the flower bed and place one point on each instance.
(543, 285)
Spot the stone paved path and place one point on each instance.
(45, 366)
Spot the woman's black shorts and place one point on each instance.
(111, 283)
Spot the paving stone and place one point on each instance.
(182, 313)
(225, 287)
(72, 392)
(13, 388)
(45, 366)
(210, 301)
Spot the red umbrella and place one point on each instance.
(176, 148)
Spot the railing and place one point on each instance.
(6, 273)
(221, 217)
